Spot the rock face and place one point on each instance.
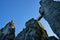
(51, 11)
(8, 32)
(33, 31)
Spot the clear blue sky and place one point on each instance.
(20, 11)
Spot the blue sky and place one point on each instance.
(20, 11)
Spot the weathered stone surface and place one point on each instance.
(33, 31)
(8, 32)
(52, 14)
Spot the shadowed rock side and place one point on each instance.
(8, 32)
(51, 13)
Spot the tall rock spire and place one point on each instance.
(8, 32)
(52, 14)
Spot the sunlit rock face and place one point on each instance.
(8, 32)
(52, 14)
(33, 31)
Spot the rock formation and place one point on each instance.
(8, 32)
(33, 31)
(51, 11)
